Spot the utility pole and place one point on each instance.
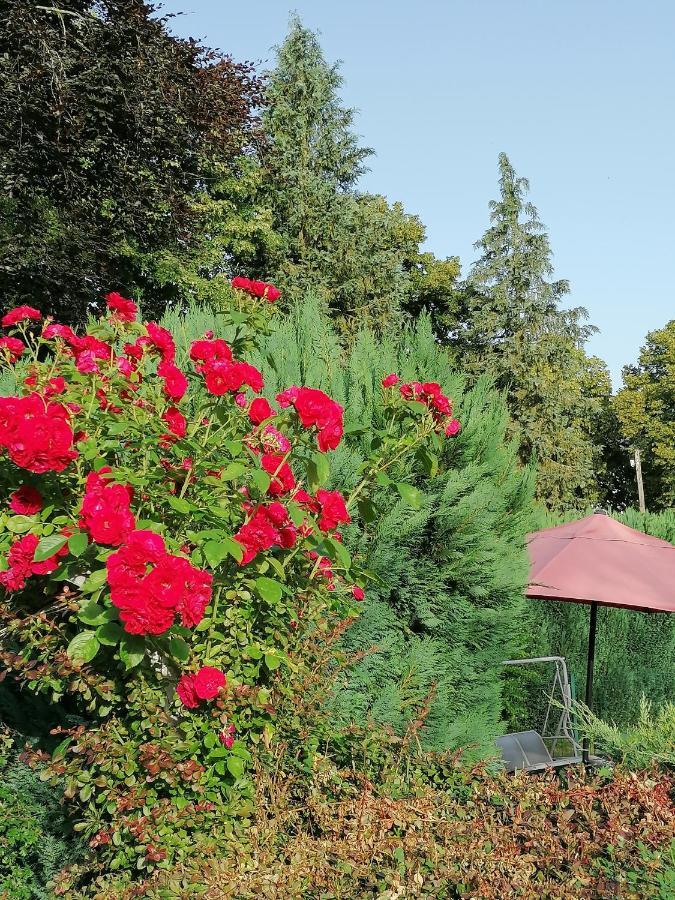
(638, 474)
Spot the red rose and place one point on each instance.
(268, 526)
(259, 410)
(55, 386)
(106, 512)
(22, 566)
(11, 348)
(25, 501)
(122, 309)
(161, 340)
(282, 477)
(86, 363)
(257, 288)
(176, 421)
(226, 736)
(357, 592)
(99, 349)
(20, 314)
(209, 682)
(175, 382)
(209, 350)
(186, 691)
(274, 440)
(315, 408)
(452, 428)
(221, 377)
(36, 433)
(390, 381)
(333, 509)
(54, 330)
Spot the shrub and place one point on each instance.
(36, 837)
(168, 542)
(648, 741)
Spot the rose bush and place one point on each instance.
(168, 538)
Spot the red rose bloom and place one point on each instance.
(259, 410)
(122, 309)
(208, 350)
(25, 501)
(36, 433)
(175, 382)
(86, 363)
(161, 340)
(186, 691)
(64, 332)
(452, 428)
(106, 512)
(150, 586)
(221, 377)
(20, 314)
(22, 566)
(282, 477)
(11, 348)
(257, 288)
(390, 381)
(209, 682)
(357, 592)
(268, 526)
(176, 421)
(333, 510)
(55, 386)
(315, 408)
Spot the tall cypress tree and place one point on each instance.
(355, 249)
(515, 329)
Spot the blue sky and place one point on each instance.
(578, 93)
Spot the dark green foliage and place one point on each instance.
(36, 837)
(514, 328)
(110, 128)
(358, 251)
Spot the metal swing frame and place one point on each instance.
(533, 751)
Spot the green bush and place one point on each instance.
(650, 740)
(36, 835)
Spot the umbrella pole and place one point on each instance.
(589, 672)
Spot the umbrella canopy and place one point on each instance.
(599, 560)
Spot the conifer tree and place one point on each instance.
(515, 330)
(355, 249)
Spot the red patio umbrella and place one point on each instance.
(598, 561)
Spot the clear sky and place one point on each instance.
(578, 93)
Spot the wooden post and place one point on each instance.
(640, 486)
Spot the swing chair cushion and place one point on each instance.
(526, 750)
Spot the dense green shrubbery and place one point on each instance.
(648, 740)
(36, 835)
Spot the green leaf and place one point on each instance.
(339, 552)
(180, 505)
(179, 648)
(235, 766)
(83, 647)
(132, 650)
(268, 589)
(417, 407)
(78, 543)
(60, 749)
(110, 634)
(92, 614)
(367, 510)
(95, 581)
(20, 524)
(429, 461)
(216, 551)
(318, 471)
(48, 546)
(383, 479)
(261, 480)
(234, 448)
(272, 661)
(233, 470)
(410, 494)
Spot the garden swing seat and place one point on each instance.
(527, 750)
